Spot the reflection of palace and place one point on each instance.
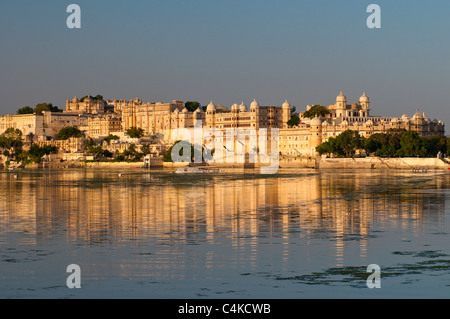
(96, 207)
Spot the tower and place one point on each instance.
(341, 105)
(364, 102)
(286, 113)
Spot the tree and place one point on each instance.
(67, 132)
(46, 107)
(192, 105)
(25, 110)
(135, 132)
(206, 154)
(412, 145)
(295, 120)
(345, 144)
(11, 138)
(328, 147)
(435, 144)
(97, 97)
(36, 153)
(293, 108)
(145, 149)
(316, 111)
(349, 141)
(110, 138)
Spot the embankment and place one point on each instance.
(381, 163)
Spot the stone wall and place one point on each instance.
(382, 163)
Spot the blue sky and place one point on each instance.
(228, 51)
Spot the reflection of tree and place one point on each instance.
(95, 205)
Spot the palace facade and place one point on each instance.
(99, 118)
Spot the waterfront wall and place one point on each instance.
(381, 163)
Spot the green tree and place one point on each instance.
(110, 138)
(435, 144)
(316, 111)
(25, 110)
(293, 108)
(207, 154)
(36, 153)
(145, 149)
(192, 105)
(295, 120)
(345, 144)
(11, 138)
(97, 97)
(46, 107)
(411, 144)
(328, 147)
(135, 132)
(67, 132)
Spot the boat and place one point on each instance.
(197, 170)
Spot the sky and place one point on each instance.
(228, 51)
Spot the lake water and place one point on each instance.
(155, 234)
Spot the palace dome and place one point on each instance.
(286, 104)
(254, 104)
(242, 107)
(211, 107)
(364, 98)
(341, 98)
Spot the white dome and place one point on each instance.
(341, 98)
(286, 104)
(315, 122)
(234, 106)
(369, 122)
(211, 107)
(242, 107)
(176, 111)
(198, 110)
(184, 110)
(364, 98)
(254, 104)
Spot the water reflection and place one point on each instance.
(93, 207)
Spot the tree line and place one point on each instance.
(393, 143)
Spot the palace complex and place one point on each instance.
(98, 118)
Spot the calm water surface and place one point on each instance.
(156, 234)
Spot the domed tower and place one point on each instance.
(364, 102)
(286, 113)
(210, 115)
(315, 134)
(254, 108)
(242, 107)
(341, 105)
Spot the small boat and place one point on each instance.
(197, 170)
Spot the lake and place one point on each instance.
(300, 233)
